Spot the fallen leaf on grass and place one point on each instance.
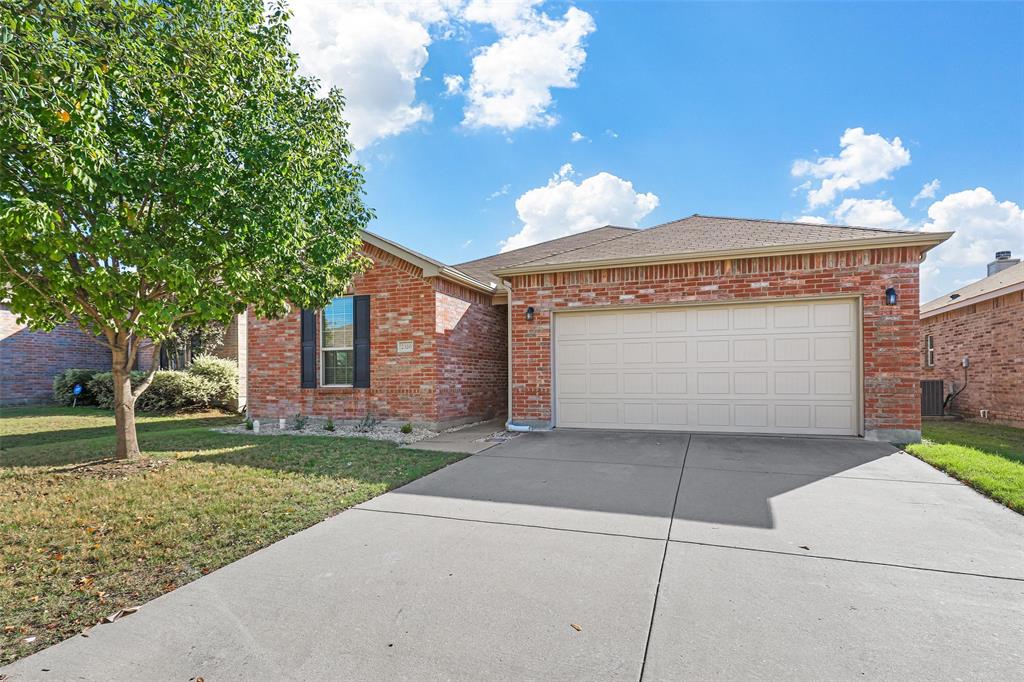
(576, 627)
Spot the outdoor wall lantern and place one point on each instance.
(890, 296)
(529, 314)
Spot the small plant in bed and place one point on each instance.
(367, 423)
(329, 424)
(299, 421)
(407, 428)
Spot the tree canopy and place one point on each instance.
(163, 162)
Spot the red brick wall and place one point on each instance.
(29, 360)
(472, 351)
(890, 333)
(403, 386)
(991, 333)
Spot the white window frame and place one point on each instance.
(324, 349)
(929, 351)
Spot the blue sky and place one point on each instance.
(465, 112)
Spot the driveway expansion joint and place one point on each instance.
(819, 476)
(664, 555)
(804, 555)
(579, 461)
(507, 523)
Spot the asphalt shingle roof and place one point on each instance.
(1001, 280)
(700, 233)
(482, 269)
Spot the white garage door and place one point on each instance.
(750, 368)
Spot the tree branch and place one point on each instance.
(153, 367)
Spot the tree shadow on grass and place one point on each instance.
(57, 436)
(332, 457)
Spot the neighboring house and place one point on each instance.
(29, 360)
(983, 322)
(702, 324)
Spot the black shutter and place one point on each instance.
(361, 341)
(308, 348)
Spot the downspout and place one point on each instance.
(509, 425)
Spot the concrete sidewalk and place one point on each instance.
(470, 439)
(598, 555)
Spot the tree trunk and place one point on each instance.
(124, 407)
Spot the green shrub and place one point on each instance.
(64, 384)
(248, 424)
(222, 375)
(170, 390)
(101, 386)
(406, 428)
(329, 424)
(299, 421)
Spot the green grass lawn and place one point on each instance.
(81, 538)
(987, 457)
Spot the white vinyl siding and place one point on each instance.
(788, 367)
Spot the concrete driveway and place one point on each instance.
(703, 557)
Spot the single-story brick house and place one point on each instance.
(984, 322)
(701, 324)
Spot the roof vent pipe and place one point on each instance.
(1001, 262)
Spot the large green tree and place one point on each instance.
(163, 162)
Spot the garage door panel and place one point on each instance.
(637, 323)
(831, 348)
(713, 319)
(713, 351)
(762, 368)
(792, 349)
(833, 315)
(671, 383)
(670, 352)
(670, 321)
(638, 414)
(750, 350)
(604, 413)
(792, 316)
(636, 352)
(604, 383)
(604, 354)
(751, 382)
(603, 325)
(638, 383)
(573, 383)
(750, 317)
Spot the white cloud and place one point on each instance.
(611, 133)
(563, 207)
(453, 84)
(577, 136)
(863, 159)
(869, 213)
(499, 192)
(927, 192)
(511, 80)
(812, 219)
(467, 243)
(375, 52)
(983, 226)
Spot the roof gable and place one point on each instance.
(1003, 282)
(483, 268)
